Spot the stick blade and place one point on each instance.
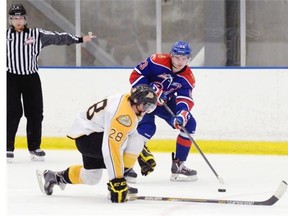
(220, 180)
(281, 190)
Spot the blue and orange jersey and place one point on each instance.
(158, 68)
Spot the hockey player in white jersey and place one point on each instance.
(105, 135)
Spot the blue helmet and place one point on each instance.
(181, 48)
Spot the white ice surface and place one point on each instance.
(246, 177)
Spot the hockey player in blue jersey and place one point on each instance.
(173, 81)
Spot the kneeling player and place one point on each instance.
(105, 136)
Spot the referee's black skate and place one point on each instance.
(47, 179)
(180, 172)
(9, 156)
(37, 155)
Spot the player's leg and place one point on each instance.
(89, 173)
(47, 179)
(183, 144)
(134, 146)
(146, 129)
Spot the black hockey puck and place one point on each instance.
(221, 190)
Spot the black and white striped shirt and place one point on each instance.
(23, 48)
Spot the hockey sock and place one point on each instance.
(183, 146)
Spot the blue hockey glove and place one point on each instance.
(181, 119)
(118, 190)
(158, 88)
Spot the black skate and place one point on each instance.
(180, 172)
(9, 156)
(37, 155)
(47, 179)
(132, 193)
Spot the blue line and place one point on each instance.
(126, 67)
(84, 67)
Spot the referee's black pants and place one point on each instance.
(29, 88)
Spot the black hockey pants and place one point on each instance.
(91, 149)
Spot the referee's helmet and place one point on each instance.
(17, 10)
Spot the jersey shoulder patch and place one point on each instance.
(189, 76)
(125, 120)
(161, 59)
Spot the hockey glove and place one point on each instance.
(146, 161)
(118, 190)
(158, 88)
(181, 119)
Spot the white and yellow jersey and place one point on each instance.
(115, 117)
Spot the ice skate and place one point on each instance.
(130, 175)
(9, 156)
(180, 172)
(132, 193)
(37, 155)
(47, 179)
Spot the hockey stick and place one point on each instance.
(271, 201)
(195, 144)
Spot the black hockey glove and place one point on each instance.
(118, 190)
(146, 161)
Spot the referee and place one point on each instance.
(23, 46)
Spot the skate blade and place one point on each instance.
(62, 186)
(37, 158)
(180, 177)
(9, 160)
(40, 178)
(131, 197)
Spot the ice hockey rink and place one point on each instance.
(246, 178)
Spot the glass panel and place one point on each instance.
(126, 30)
(183, 20)
(214, 26)
(267, 32)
